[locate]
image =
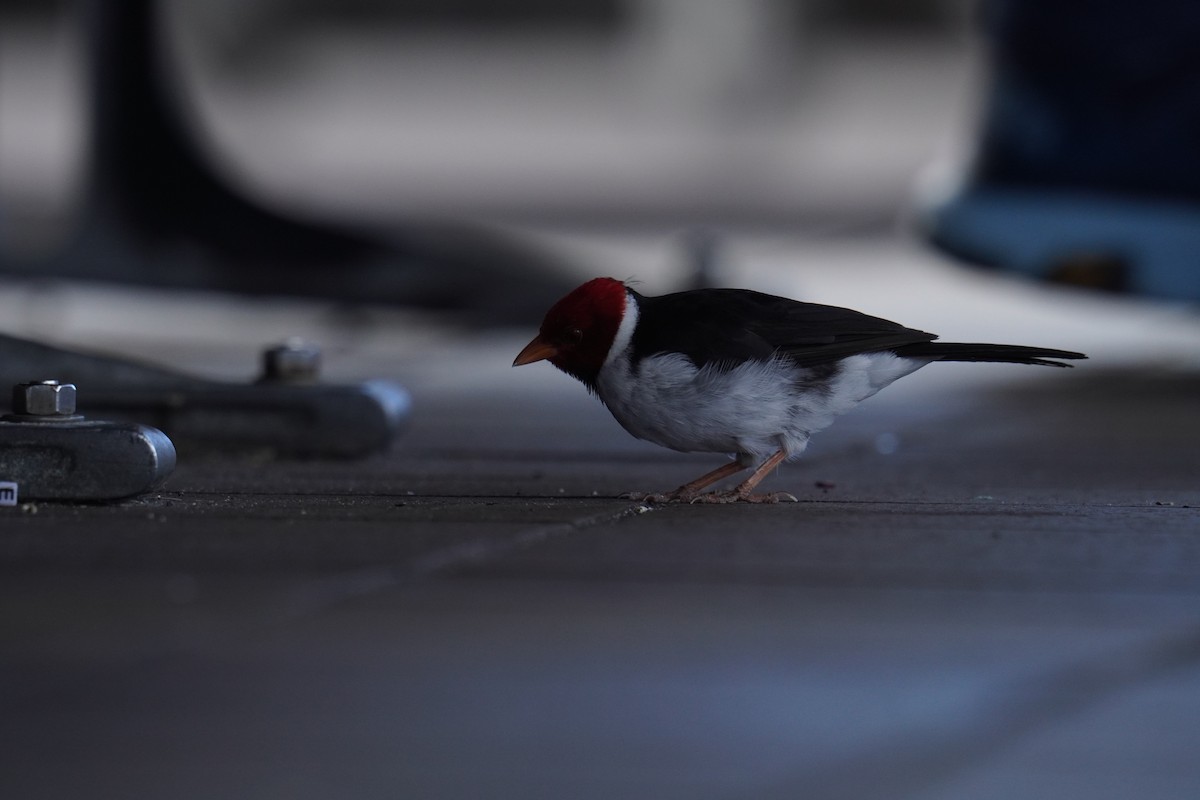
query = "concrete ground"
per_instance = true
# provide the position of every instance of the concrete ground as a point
(987, 590)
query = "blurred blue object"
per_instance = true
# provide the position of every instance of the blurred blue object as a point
(1086, 168)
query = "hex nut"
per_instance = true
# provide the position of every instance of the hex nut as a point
(44, 399)
(293, 361)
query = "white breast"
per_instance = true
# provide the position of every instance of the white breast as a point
(754, 409)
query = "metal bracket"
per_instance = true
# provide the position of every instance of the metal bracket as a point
(48, 452)
(83, 460)
(286, 413)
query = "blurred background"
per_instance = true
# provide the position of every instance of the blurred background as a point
(630, 112)
(776, 144)
(988, 589)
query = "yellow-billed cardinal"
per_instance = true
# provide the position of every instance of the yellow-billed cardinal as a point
(736, 371)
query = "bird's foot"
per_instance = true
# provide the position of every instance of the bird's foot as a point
(740, 497)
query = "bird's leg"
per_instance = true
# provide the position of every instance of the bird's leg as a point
(691, 490)
(744, 490)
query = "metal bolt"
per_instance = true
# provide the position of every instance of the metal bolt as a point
(44, 399)
(293, 361)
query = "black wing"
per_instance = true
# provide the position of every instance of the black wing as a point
(728, 326)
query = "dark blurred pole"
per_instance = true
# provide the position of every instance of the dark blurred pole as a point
(138, 149)
(153, 186)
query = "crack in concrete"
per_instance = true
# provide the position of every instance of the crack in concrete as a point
(324, 593)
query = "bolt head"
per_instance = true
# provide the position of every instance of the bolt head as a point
(293, 361)
(44, 399)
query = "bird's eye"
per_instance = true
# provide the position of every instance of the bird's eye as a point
(575, 335)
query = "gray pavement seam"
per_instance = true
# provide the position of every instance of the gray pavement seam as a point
(324, 593)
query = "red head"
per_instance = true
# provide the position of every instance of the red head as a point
(577, 332)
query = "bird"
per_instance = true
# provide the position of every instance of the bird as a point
(736, 371)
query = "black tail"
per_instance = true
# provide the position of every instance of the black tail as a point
(1007, 353)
